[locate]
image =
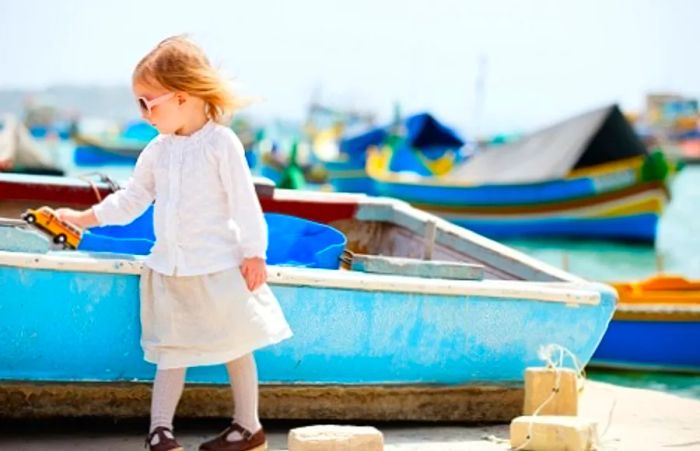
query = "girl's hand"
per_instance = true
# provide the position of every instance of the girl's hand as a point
(6, 164)
(254, 272)
(82, 219)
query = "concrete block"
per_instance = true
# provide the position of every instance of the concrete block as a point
(553, 433)
(539, 384)
(335, 438)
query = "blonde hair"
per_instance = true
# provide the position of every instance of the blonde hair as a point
(178, 64)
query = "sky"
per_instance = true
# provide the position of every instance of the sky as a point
(536, 61)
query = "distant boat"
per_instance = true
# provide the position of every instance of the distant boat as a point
(101, 149)
(691, 150)
(588, 177)
(427, 147)
(656, 326)
(19, 151)
(60, 130)
(435, 321)
(125, 148)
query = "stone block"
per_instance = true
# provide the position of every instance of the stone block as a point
(539, 384)
(553, 433)
(335, 438)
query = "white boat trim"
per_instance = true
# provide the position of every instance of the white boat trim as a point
(656, 309)
(573, 294)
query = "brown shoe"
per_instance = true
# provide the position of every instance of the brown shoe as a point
(248, 442)
(166, 440)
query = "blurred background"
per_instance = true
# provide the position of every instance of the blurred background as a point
(534, 97)
(485, 67)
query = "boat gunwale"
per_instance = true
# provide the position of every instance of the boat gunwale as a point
(393, 211)
(657, 312)
(572, 293)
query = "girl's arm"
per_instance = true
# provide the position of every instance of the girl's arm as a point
(123, 206)
(246, 212)
(243, 201)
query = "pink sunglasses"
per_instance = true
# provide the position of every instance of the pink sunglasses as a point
(147, 105)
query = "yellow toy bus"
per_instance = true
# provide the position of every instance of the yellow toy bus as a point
(61, 232)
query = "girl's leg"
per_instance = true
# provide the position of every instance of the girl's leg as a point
(167, 389)
(243, 376)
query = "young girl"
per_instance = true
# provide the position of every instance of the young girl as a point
(204, 300)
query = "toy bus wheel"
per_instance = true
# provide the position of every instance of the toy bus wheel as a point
(30, 218)
(60, 239)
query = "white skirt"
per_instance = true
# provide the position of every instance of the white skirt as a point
(207, 319)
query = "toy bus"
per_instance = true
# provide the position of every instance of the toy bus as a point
(61, 232)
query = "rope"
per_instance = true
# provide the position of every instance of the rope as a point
(104, 178)
(546, 354)
(598, 442)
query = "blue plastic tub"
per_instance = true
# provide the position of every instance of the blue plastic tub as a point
(292, 241)
(300, 242)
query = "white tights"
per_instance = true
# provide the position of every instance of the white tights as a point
(243, 377)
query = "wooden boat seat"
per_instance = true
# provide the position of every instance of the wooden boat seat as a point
(432, 269)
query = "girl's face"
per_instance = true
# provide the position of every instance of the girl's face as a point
(165, 114)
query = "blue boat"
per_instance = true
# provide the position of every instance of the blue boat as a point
(424, 140)
(98, 150)
(650, 344)
(43, 131)
(437, 322)
(655, 328)
(586, 177)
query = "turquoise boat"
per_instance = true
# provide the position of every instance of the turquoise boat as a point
(424, 320)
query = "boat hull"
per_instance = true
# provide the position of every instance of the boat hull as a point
(641, 227)
(349, 177)
(650, 345)
(627, 214)
(608, 201)
(342, 335)
(96, 156)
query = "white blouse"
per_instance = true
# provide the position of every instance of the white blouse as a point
(207, 217)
